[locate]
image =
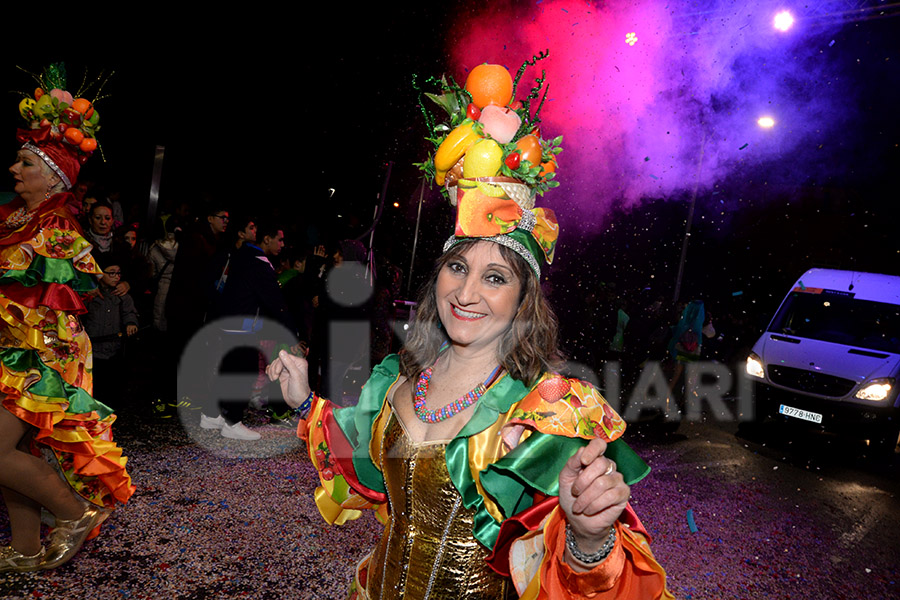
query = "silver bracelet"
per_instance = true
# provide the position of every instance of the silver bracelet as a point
(597, 556)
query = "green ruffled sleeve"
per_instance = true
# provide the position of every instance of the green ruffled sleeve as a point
(356, 421)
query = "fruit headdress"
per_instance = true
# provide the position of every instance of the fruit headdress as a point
(62, 127)
(486, 112)
(491, 161)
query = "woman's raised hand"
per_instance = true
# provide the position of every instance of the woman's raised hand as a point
(292, 374)
(592, 494)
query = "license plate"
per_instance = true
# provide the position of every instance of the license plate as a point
(790, 411)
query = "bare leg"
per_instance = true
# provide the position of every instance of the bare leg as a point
(24, 515)
(30, 476)
(24, 521)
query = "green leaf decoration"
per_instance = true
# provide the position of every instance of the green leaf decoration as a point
(55, 77)
(534, 60)
(446, 101)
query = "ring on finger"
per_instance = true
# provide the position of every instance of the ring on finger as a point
(610, 468)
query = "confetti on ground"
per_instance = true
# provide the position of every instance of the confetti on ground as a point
(744, 146)
(738, 293)
(215, 518)
(211, 518)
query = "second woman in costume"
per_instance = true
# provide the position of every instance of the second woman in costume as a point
(56, 446)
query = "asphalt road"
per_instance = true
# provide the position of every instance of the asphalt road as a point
(776, 512)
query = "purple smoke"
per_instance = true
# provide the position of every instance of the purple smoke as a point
(676, 109)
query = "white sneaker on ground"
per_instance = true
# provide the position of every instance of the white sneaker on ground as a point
(207, 423)
(239, 432)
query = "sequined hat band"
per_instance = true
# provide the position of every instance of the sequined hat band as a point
(46, 158)
(508, 241)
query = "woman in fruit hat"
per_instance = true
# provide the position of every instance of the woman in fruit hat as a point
(495, 476)
(56, 447)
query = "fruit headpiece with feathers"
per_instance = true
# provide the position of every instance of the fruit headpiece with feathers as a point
(62, 127)
(491, 161)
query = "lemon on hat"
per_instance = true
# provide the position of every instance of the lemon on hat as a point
(483, 159)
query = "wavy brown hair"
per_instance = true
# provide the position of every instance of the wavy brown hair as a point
(528, 348)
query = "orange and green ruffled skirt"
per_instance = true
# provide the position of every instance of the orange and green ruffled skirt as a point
(45, 367)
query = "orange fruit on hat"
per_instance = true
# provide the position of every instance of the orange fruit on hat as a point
(548, 167)
(74, 135)
(530, 147)
(489, 84)
(88, 144)
(82, 105)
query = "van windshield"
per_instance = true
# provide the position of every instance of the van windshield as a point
(838, 317)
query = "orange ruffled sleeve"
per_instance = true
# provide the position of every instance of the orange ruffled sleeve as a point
(630, 572)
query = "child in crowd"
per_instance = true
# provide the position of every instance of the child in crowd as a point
(109, 318)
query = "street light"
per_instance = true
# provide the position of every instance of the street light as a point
(783, 21)
(766, 122)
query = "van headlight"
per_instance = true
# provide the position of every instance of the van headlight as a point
(755, 366)
(877, 389)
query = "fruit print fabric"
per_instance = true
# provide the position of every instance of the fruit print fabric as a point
(45, 354)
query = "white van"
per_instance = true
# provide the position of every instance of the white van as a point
(830, 358)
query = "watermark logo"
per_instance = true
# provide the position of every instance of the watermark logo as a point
(707, 389)
(710, 389)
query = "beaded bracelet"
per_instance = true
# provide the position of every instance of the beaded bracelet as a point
(303, 409)
(597, 556)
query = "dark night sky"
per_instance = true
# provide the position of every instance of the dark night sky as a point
(257, 108)
(249, 104)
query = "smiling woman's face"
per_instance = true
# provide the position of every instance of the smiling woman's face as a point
(32, 176)
(477, 296)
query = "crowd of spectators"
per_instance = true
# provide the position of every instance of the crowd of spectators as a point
(254, 287)
(229, 290)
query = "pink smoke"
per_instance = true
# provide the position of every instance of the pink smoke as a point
(674, 111)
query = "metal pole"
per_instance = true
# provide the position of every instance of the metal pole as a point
(412, 261)
(153, 205)
(370, 259)
(379, 208)
(690, 220)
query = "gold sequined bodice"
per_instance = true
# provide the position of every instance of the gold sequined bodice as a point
(427, 550)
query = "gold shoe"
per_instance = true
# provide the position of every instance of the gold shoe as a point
(68, 536)
(11, 560)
